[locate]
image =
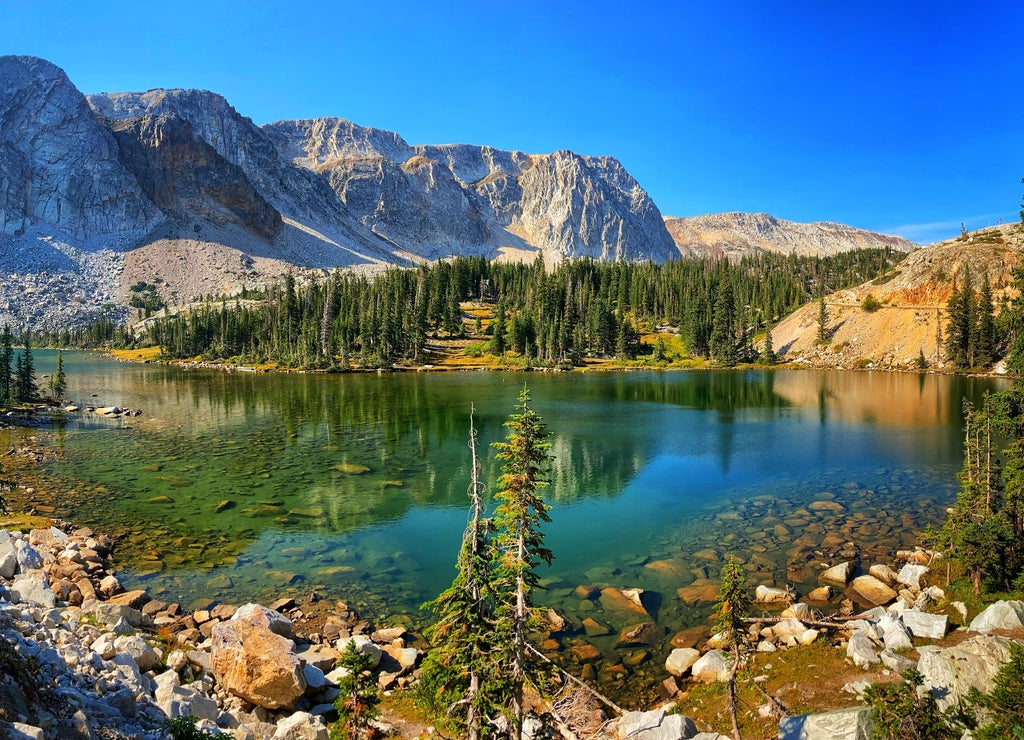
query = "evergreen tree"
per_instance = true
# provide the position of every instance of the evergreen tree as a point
(978, 533)
(58, 381)
(6, 357)
(986, 333)
(731, 607)
(962, 320)
(519, 544)
(723, 332)
(767, 352)
(821, 335)
(357, 705)
(458, 676)
(26, 371)
(498, 331)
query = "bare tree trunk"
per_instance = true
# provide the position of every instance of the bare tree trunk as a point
(472, 719)
(732, 691)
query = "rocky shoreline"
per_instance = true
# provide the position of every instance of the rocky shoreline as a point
(88, 659)
(81, 657)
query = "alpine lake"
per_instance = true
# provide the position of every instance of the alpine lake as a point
(237, 486)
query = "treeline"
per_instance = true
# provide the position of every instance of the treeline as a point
(582, 308)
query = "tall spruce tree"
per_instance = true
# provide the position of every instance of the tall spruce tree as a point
(767, 356)
(58, 381)
(519, 545)
(961, 311)
(986, 332)
(821, 335)
(731, 607)
(26, 371)
(458, 676)
(6, 357)
(723, 329)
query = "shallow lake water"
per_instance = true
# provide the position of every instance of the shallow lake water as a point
(237, 486)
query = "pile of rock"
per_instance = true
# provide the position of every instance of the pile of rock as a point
(874, 637)
(949, 673)
(119, 664)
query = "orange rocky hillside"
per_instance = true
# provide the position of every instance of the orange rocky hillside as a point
(911, 318)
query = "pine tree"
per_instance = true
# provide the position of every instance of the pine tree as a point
(458, 676)
(58, 381)
(731, 607)
(26, 371)
(723, 331)
(6, 357)
(519, 544)
(357, 705)
(986, 332)
(822, 333)
(767, 352)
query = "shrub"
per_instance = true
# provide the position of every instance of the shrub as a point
(870, 304)
(900, 711)
(1005, 703)
(184, 728)
(357, 704)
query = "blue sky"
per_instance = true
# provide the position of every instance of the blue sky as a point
(899, 116)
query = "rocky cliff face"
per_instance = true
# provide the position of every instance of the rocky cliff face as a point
(457, 199)
(59, 170)
(185, 176)
(734, 235)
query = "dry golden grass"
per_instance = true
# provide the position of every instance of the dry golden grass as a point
(142, 354)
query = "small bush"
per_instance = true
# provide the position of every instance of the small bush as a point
(870, 304)
(1005, 703)
(900, 711)
(184, 728)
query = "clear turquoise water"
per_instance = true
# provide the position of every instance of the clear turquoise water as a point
(239, 486)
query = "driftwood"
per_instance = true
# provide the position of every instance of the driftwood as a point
(582, 684)
(829, 624)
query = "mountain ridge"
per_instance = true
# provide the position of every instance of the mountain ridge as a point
(737, 234)
(101, 191)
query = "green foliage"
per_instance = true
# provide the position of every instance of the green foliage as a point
(723, 345)
(583, 308)
(459, 683)
(24, 384)
(1004, 705)
(821, 335)
(921, 362)
(145, 297)
(6, 357)
(184, 728)
(58, 381)
(357, 705)
(482, 660)
(733, 603)
(903, 712)
(519, 549)
(870, 304)
(984, 533)
(972, 333)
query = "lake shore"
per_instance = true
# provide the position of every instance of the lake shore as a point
(125, 663)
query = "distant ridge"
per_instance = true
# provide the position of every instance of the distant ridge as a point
(735, 235)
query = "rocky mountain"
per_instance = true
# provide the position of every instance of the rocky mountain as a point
(735, 235)
(911, 319)
(177, 188)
